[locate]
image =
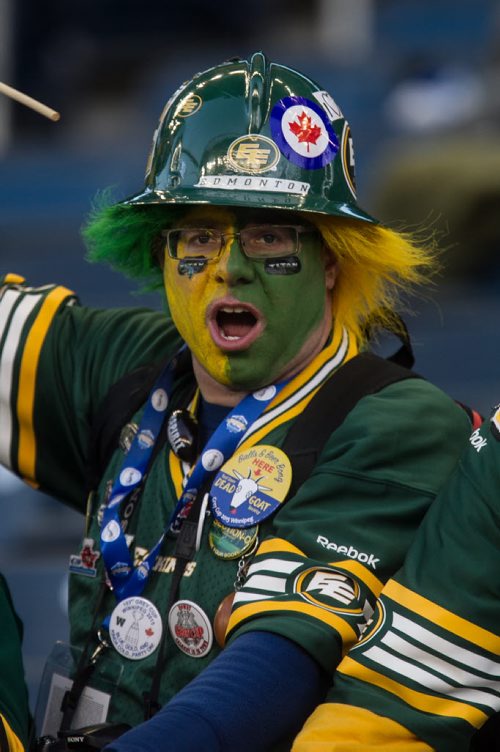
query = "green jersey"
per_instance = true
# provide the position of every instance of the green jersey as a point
(431, 660)
(323, 556)
(14, 712)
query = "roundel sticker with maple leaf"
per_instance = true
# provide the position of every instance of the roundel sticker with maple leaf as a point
(303, 132)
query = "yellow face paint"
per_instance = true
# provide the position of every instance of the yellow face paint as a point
(246, 326)
(189, 297)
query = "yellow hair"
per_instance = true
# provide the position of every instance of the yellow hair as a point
(376, 265)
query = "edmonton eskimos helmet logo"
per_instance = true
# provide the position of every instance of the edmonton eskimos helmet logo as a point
(189, 105)
(253, 154)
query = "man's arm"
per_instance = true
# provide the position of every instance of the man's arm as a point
(253, 695)
(427, 673)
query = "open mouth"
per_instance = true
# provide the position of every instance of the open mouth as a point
(234, 326)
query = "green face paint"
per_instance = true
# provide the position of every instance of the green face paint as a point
(249, 326)
(293, 307)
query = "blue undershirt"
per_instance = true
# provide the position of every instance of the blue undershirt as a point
(209, 417)
(256, 693)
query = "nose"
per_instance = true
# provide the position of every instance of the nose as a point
(233, 267)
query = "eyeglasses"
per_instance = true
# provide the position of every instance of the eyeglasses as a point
(260, 242)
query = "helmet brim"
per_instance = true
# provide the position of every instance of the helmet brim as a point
(243, 199)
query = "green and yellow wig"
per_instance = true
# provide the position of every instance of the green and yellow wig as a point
(377, 265)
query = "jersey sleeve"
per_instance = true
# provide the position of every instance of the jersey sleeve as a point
(57, 362)
(317, 575)
(430, 661)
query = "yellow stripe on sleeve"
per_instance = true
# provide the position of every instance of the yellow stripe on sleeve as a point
(361, 573)
(13, 740)
(441, 616)
(27, 380)
(278, 545)
(426, 702)
(344, 728)
(13, 279)
(259, 608)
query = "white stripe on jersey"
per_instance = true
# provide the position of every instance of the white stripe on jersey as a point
(13, 336)
(275, 565)
(243, 597)
(439, 665)
(445, 647)
(429, 681)
(266, 582)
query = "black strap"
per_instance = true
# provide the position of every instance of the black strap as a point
(185, 550)
(364, 374)
(123, 399)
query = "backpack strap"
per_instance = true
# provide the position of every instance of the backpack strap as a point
(364, 374)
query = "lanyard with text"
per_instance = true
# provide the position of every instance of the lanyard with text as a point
(126, 579)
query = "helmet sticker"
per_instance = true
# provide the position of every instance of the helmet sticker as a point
(189, 105)
(248, 183)
(303, 133)
(329, 105)
(253, 154)
(347, 154)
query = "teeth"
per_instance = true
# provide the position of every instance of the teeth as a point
(226, 336)
(233, 309)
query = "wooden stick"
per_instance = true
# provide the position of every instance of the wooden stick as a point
(29, 102)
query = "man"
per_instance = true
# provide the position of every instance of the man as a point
(426, 674)
(273, 276)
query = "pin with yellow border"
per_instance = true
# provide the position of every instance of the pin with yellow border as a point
(250, 486)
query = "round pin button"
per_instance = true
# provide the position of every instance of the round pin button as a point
(230, 542)
(250, 486)
(190, 629)
(135, 628)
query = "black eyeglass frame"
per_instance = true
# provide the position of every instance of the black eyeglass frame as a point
(223, 237)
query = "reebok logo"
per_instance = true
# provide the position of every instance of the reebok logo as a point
(477, 441)
(351, 552)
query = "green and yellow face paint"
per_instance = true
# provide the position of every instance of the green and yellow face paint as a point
(249, 324)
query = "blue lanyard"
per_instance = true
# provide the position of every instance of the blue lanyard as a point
(126, 579)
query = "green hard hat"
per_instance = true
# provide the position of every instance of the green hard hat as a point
(252, 133)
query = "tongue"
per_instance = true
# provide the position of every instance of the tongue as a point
(235, 324)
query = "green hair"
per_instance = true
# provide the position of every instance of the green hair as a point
(128, 239)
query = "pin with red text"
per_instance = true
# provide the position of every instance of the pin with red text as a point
(190, 629)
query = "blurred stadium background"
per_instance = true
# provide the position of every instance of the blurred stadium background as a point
(419, 82)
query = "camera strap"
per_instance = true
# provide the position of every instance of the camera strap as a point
(185, 550)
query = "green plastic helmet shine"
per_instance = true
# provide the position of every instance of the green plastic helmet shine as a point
(253, 134)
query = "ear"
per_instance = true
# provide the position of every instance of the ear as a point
(331, 270)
